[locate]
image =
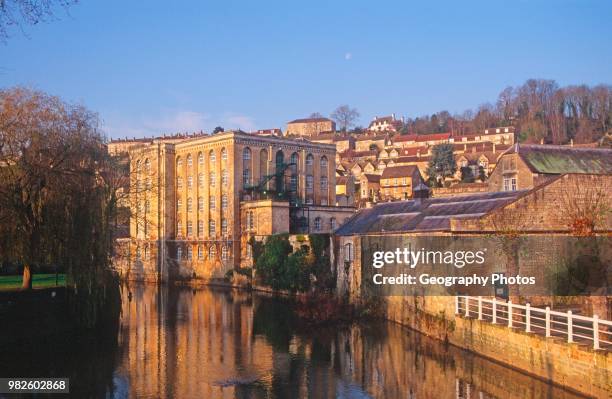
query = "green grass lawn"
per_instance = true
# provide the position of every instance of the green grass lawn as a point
(39, 281)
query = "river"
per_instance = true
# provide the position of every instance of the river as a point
(220, 343)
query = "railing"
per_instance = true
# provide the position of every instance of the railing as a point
(550, 323)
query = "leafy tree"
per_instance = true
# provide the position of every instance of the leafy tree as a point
(345, 117)
(218, 129)
(442, 164)
(466, 174)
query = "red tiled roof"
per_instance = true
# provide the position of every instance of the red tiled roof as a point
(399, 171)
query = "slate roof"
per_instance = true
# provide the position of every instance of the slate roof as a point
(399, 171)
(556, 159)
(310, 120)
(429, 214)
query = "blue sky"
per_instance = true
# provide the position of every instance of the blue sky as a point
(165, 67)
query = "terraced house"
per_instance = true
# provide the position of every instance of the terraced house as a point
(196, 203)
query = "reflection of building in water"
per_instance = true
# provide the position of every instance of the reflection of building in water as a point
(220, 344)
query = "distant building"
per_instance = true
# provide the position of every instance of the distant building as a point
(369, 187)
(310, 127)
(525, 166)
(386, 124)
(397, 182)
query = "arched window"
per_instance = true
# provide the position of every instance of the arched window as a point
(295, 159)
(212, 157)
(224, 227)
(201, 159)
(200, 204)
(179, 162)
(212, 252)
(179, 253)
(147, 164)
(348, 252)
(224, 177)
(317, 224)
(263, 163)
(211, 228)
(189, 181)
(323, 164)
(280, 158)
(189, 228)
(246, 155)
(189, 205)
(224, 201)
(200, 228)
(223, 154)
(211, 202)
(224, 253)
(294, 182)
(332, 224)
(213, 179)
(200, 252)
(189, 160)
(309, 160)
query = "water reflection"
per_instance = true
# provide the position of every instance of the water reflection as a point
(181, 343)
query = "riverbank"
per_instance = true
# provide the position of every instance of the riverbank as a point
(38, 281)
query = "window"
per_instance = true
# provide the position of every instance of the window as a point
(189, 228)
(200, 228)
(223, 154)
(309, 160)
(405, 181)
(179, 182)
(212, 252)
(200, 252)
(246, 155)
(179, 204)
(179, 253)
(200, 204)
(294, 182)
(224, 201)
(179, 228)
(189, 160)
(213, 179)
(147, 206)
(250, 220)
(212, 157)
(200, 159)
(309, 201)
(246, 177)
(348, 252)
(323, 164)
(189, 205)
(212, 202)
(323, 201)
(224, 253)
(224, 177)
(506, 184)
(317, 224)
(332, 223)
(211, 228)
(224, 227)
(201, 179)
(249, 251)
(324, 183)
(189, 252)
(179, 162)
(309, 183)
(148, 184)
(513, 183)
(147, 164)
(294, 160)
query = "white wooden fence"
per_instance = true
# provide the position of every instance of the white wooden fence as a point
(573, 328)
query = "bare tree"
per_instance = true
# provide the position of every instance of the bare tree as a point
(18, 13)
(345, 117)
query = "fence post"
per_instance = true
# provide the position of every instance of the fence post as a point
(479, 308)
(570, 327)
(467, 306)
(510, 314)
(494, 310)
(457, 304)
(527, 318)
(547, 321)
(595, 331)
